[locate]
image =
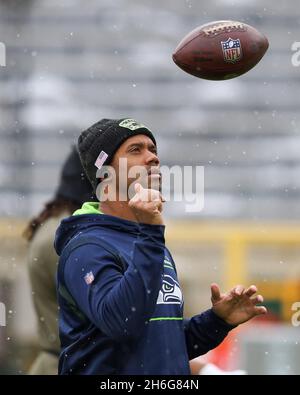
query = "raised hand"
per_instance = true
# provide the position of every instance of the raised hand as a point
(238, 305)
(147, 205)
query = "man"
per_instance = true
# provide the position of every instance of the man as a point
(121, 307)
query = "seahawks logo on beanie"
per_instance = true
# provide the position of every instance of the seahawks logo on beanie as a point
(131, 124)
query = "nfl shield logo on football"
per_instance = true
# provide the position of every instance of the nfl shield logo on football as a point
(89, 278)
(232, 50)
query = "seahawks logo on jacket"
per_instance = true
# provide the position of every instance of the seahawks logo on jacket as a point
(170, 292)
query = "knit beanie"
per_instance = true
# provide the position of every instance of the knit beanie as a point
(98, 144)
(74, 184)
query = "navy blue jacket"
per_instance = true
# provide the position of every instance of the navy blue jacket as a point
(121, 308)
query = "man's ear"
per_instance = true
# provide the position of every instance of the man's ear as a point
(104, 176)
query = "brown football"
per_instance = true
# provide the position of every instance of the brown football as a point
(220, 50)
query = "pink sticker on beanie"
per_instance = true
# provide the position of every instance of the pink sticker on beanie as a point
(101, 159)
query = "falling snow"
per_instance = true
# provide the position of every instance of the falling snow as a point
(245, 131)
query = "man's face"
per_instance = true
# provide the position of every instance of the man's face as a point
(140, 151)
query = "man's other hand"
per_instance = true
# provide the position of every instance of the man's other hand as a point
(238, 305)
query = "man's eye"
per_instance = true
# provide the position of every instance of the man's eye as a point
(167, 287)
(135, 149)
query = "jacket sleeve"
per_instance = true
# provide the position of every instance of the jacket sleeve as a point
(204, 332)
(119, 304)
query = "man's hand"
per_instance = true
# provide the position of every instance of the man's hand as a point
(238, 305)
(147, 205)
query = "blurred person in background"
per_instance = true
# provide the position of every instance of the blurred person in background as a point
(74, 189)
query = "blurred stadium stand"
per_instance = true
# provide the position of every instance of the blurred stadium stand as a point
(71, 62)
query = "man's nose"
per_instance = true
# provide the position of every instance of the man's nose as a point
(152, 159)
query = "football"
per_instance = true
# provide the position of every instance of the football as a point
(220, 50)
